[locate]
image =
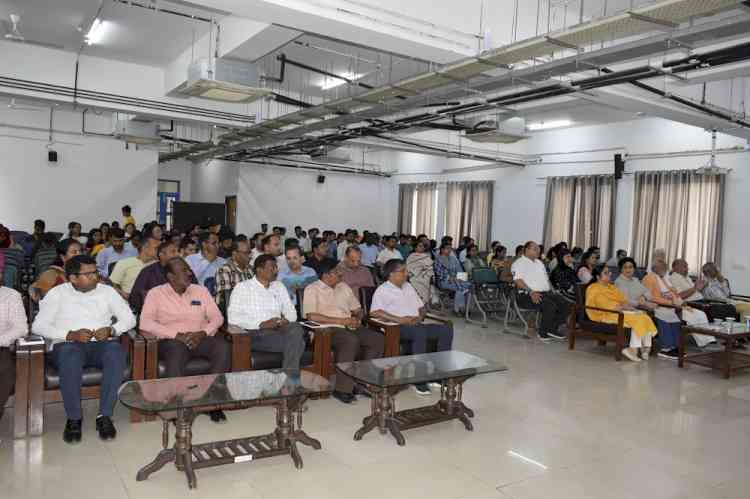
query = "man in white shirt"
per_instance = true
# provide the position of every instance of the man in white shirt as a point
(13, 325)
(535, 291)
(389, 252)
(114, 253)
(207, 262)
(692, 292)
(681, 281)
(351, 239)
(76, 317)
(262, 305)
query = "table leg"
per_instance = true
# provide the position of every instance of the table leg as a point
(451, 403)
(727, 367)
(681, 349)
(383, 407)
(298, 434)
(184, 445)
(164, 457)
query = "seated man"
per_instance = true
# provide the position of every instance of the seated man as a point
(236, 270)
(271, 245)
(353, 272)
(126, 271)
(681, 281)
(262, 305)
(535, 291)
(331, 301)
(296, 276)
(206, 263)
(396, 301)
(117, 251)
(185, 317)
(319, 255)
(13, 325)
(717, 288)
(351, 240)
(389, 252)
(152, 275)
(370, 250)
(77, 318)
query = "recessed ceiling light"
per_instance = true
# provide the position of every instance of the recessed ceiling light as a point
(333, 82)
(546, 125)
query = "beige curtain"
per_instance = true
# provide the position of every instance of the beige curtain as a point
(580, 210)
(681, 212)
(406, 193)
(469, 211)
(426, 214)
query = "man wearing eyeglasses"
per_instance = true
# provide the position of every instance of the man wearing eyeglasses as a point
(77, 319)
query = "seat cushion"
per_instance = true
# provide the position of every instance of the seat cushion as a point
(194, 367)
(91, 376)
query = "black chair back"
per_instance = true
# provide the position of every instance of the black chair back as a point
(300, 294)
(365, 298)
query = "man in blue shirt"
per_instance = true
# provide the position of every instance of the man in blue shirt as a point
(114, 253)
(296, 276)
(370, 250)
(205, 264)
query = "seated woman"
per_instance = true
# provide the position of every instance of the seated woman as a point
(55, 274)
(447, 268)
(588, 262)
(473, 261)
(563, 277)
(629, 285)
(603, 294)
(419, 267)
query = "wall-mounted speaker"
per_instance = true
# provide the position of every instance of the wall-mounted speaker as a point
(321, 179)
(619, 166)
(52, 156)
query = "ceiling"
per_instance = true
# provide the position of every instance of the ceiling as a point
(133, 34)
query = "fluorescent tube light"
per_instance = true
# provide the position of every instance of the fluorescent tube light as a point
(96, 32)
(549, 124)
(333, 82)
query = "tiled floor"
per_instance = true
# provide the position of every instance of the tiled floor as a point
(558, 424)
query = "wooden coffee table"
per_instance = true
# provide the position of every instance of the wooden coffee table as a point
(384, 378)
(728, 360)
(178, 401)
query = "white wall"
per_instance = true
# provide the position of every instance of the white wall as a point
(181, 171)
(213, 181)
(95, 176)
(287, 197)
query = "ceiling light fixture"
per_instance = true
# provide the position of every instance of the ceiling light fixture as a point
(546, 125)
(96, 32)
(333, 82)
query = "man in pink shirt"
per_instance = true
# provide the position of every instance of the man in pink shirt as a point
(185, 317)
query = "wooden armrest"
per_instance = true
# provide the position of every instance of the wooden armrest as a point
(241, 347)
(437, 318)
(604, 310)
(739, 297)
(392, 335)
(149, 337)
(30, 343)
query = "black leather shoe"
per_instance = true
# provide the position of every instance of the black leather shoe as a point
(106, 428)
(346, 398)
(72, 433)
(218, 417)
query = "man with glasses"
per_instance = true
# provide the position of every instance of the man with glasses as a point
(117, 251)
(206, 263)
(236, 270)
(77, 319)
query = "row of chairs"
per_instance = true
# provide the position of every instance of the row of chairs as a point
(38, 382)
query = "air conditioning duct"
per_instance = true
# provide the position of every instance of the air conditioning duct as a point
(496, 130)
(224, 80)
(135, 131)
